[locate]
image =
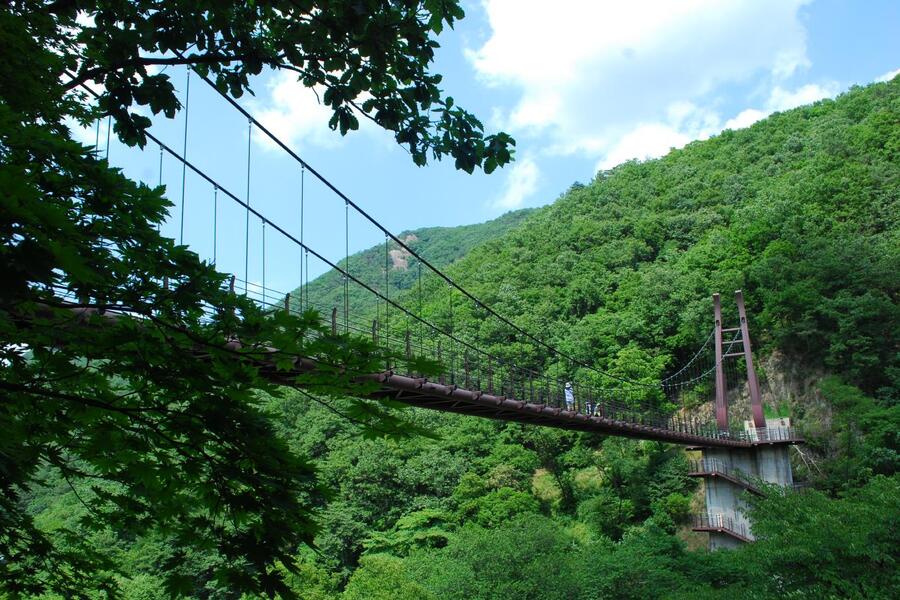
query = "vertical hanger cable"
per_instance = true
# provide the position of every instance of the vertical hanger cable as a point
(108, 132)
(159, 184)
(187, 107)
(303, 255)
(263, 263)
(387, 292)
(247, 219)
(215, 221)
(347, 267)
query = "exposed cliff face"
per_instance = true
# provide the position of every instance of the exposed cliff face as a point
(441, 246)
(793, 388)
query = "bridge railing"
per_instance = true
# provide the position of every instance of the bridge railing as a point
(710, 465)
(463, 364)
(577, 385)
(771, 434)
(409, 339)
(721, 522)
(717, 466)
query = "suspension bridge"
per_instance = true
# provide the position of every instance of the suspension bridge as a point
(558, 391)
(471, 380)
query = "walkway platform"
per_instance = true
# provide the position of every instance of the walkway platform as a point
(451, 398)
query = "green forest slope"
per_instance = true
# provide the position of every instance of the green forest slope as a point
(440, 246)
(801, 212)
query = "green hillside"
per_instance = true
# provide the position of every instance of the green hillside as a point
(800, 211)
(440, 246)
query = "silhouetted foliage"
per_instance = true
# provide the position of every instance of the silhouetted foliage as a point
(144, 394)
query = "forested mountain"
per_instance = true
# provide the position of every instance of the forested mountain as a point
(800, 211)
(440, 246)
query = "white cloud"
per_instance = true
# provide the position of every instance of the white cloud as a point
(684, 122)
(645, 141)
(745, 118)
(521, 182)
(294, 114)
(619, 81)
(91, 135)
(687, 122)
(888, 76)
(782, 99)
(84, 19)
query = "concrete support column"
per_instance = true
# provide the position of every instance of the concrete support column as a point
(774, 465)
(728, 474)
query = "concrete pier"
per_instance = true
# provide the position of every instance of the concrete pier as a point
(730, 474)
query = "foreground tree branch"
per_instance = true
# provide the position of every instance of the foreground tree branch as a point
(165, 417)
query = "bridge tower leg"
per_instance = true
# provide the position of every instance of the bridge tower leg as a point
(752, 381)
(721, 404)
(729, 474)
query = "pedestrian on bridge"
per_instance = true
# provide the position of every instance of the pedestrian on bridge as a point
(570, 396)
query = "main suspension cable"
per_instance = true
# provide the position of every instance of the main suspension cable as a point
(388, 234)
(403, 245)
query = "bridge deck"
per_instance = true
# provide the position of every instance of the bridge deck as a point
(432, 395)
(450, 398)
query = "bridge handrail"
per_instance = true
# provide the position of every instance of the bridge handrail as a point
(552, 387)
(522, 383)
(722, 522)
(718, 466)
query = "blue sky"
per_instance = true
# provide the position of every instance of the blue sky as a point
(582, 86)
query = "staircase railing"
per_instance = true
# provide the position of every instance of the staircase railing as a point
(723, 523)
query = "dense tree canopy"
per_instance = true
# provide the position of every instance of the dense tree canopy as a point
(370, 58)
(620, 271)
(141, 393)
(150, 452)
(801, 211)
